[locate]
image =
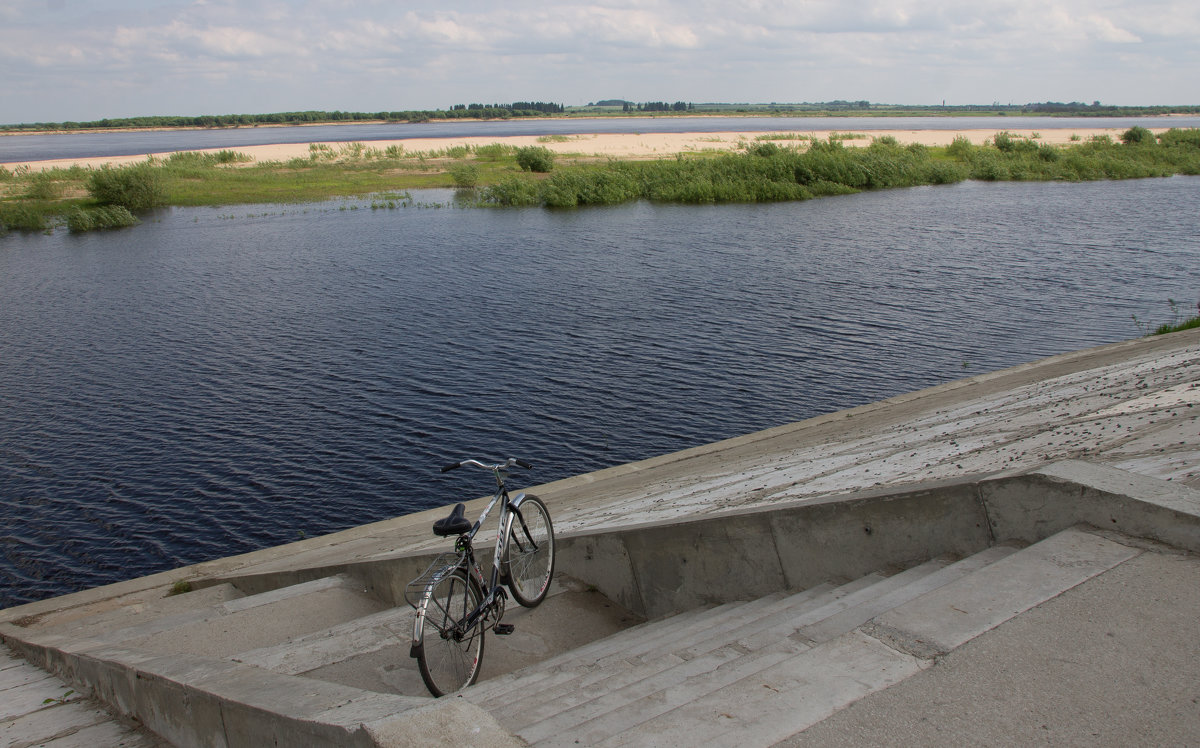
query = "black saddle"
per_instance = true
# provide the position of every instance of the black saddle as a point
(456, 524)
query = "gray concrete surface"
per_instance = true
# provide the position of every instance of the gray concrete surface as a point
(1112, 662)
(38, 709)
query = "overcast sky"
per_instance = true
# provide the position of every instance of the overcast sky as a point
(89, 59)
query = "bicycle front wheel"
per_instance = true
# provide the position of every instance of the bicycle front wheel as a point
(529, 555)
(449, 657)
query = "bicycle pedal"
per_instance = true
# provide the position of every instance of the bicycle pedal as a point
(504, 629)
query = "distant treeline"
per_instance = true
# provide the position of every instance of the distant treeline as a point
(458, 111)
(609, 106)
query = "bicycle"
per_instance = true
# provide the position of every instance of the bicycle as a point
(456, 604)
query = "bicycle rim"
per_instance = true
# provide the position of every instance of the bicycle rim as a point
(529, 556)
(449, 660)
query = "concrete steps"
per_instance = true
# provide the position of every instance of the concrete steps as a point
(755, 673)
(38, 709)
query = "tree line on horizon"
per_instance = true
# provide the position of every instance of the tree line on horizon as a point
(543, 109)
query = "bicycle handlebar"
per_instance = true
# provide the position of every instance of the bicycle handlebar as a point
(498, 466)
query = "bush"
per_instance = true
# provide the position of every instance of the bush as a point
(105, 217)
(1137, 136)
(566, 189)
(960, 148)
(22, 217)
(43, 187)
(494, 151)
(765, 150)
(136, 188)
(1177, 137)
(464, 175)
(512, 191)
(535, 158)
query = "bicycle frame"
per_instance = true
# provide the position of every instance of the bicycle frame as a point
(510, 509)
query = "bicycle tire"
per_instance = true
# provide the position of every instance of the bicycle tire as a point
(449, 661)
(529, 553)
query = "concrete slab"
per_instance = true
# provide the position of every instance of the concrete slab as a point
(1114, 661)
(262, 625)
(37, 709)
(768, 705)
(952, 615)
(563, 623)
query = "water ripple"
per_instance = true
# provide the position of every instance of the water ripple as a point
(199, 387)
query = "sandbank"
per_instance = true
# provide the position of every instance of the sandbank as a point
(611, 145)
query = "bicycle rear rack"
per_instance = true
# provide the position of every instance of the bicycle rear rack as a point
(441, 566)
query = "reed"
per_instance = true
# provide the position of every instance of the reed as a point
(763, 170)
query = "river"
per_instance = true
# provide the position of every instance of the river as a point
(218, 380)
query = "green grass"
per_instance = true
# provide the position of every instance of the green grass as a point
(763, 171)
(1190, 324)
(1177, 323)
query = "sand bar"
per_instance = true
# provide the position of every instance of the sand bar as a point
(614, 145)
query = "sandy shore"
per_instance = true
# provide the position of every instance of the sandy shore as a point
(623, 145)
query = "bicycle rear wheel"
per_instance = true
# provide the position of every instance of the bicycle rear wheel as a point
(447, 656)
(529, 555)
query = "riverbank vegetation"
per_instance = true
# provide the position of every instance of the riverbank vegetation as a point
(765, 171)
(501, 175)
(1178, 321)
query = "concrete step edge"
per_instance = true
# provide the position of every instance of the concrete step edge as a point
(530, 675)
(334, 644)
(605, 653)
(623, 672)
(724, 653)
(775, 702)
(682, 683)
(946, 618)
(853, 617)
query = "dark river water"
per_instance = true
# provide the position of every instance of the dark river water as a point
(219, 380)
(85, 144)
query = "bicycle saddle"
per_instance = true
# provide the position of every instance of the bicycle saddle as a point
(456, 524)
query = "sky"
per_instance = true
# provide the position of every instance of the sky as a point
(63, 60)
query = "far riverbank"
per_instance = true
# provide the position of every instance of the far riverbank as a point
(82, 148)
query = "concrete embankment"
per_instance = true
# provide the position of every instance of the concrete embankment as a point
(878, 546)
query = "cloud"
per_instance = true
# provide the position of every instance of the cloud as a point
(313, 53)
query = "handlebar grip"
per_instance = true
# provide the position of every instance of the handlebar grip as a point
(524, 464)
(451, 466)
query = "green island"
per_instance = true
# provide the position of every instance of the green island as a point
(499, 175)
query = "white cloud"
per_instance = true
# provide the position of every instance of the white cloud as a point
(313, 54)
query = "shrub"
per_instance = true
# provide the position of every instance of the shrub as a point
(22, 217)
(960, 148)
(1137, 136)
(566, 189)
(766, 149)
(494, 151)
(535, 158)
(137, 188)
(104, 217)
(230, 157)
(512, 191)
(464, 174)
(1177, 137)
(1006, 142)
(43, 187)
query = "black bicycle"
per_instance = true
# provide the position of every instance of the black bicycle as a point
(456, 604)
